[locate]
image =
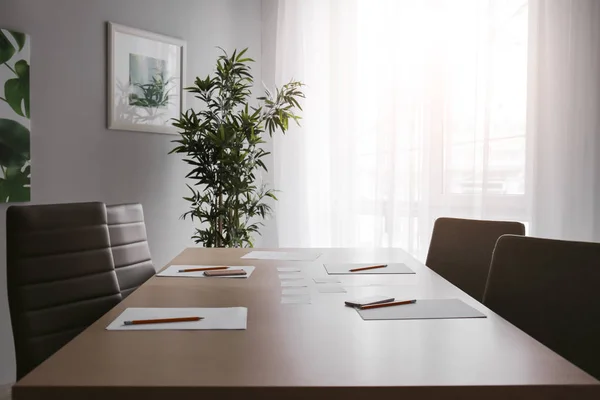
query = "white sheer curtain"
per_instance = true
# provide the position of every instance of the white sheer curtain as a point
(564, 118)
(416, 109)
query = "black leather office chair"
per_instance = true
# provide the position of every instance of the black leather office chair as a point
(61, 276)
(129, 244)
(461, 250)
(549, 289)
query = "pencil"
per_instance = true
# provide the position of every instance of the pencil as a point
(161, 320)
(366, 268)
(393, 303)
(202, 269)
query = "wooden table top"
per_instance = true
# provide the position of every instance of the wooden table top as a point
(321, 350)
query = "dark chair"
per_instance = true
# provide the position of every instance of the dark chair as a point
(129, 245)
(461, 250)
(60, 274)
(549, 289)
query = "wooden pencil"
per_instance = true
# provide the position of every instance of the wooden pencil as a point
(368, 268)
(202, 269)
(161, 320)
(392, 303)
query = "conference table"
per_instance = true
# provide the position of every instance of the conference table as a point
(321, 350)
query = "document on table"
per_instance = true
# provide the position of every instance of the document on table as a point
(289, 269)
(173, 271)
(294, 283)
(296, 299)
(423, 309)
(295, 290)
(282, 255)
(327, 280)
(291, 277)
(344, 269)
(232, 318)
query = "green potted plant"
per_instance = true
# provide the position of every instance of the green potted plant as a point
(222, 145)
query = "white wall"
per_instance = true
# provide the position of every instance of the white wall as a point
(269, 237)
(74, 156)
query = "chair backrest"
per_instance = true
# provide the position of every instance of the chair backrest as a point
(129, 244)
(461, 250)
(549, 289)
(60, 274)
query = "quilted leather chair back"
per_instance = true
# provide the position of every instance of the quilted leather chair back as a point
(60, 274)
(129, 244)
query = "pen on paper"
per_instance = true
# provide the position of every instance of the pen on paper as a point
(161, 320)
(202, 269)
(393, 303)
(367, 268)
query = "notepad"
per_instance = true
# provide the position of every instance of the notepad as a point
(344, 269)
(423, 309)
(231, 318)
(282, 255)
(173, 271)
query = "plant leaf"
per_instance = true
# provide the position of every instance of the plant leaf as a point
(21, 38)
(221, 146)
(16, 185)
(7, 50)
(17, 90)
(14, 143)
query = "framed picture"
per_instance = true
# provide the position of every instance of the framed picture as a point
(145, 80)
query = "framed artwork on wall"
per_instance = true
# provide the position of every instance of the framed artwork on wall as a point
(15, 154)
(145, 80)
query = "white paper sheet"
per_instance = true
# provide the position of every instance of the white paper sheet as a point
(299, 283)
(327, 280)
(294, 290)
(344, 269)
(296, 299)
(282, 255)
(232, 318)
(424, 309)
(173, 271)
(291, 277)
(289, 269)
(333, 288)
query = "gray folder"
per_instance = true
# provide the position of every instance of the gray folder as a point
(423, 309)
(344, 269)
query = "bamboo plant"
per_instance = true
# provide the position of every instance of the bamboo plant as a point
(222, 144)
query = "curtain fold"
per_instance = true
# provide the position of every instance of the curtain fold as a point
(564, 119)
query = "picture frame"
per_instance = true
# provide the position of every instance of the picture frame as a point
(146, 71)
